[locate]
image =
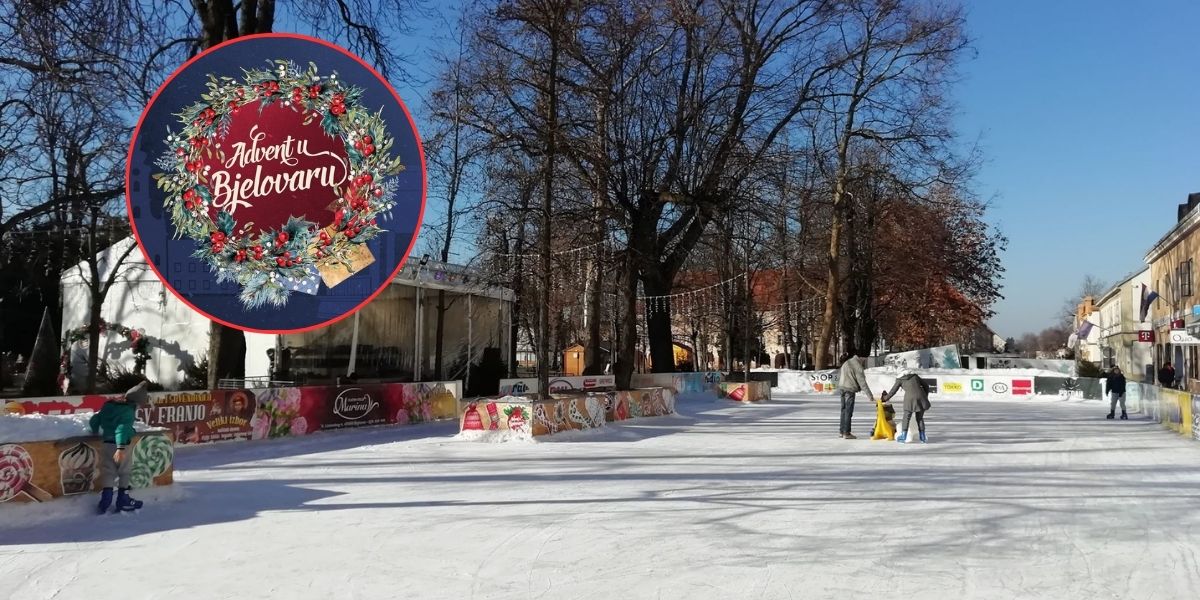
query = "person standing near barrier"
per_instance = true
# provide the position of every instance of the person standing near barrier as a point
(1166, 375)
(1114, 382)
(916, 402)
(852, 379)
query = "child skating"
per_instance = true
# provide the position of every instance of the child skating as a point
(916, 402)
(114, 422)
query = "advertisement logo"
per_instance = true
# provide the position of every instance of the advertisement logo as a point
(933, 385)
(354, 404)
(589, 384)
(976, 385)
(519, 388)
(275, 171)
(560, 385)
(1022, 387)
(952, 387)
(1000, 388)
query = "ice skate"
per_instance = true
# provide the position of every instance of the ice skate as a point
(1110, 416)
(902, 437)
(1124, 417)
(106, 498)
(850, 436)
(923, 440)
(125, 502)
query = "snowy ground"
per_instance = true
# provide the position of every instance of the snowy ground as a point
(1032, 499)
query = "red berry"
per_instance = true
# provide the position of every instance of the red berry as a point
(337, 109)
(367, 139)
(179, 152)
(282, 237)
(378, 192)
(369, 150)
(287, 254)
(366, 177)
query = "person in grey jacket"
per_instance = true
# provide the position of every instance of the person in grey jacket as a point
(851, 380)
(916, 401)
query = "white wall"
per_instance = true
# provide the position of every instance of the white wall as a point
(138, 300)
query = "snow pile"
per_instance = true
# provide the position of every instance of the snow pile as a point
(494, 437)
(37, 428)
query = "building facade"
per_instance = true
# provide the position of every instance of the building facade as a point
(1172, 270)
(1120, 337)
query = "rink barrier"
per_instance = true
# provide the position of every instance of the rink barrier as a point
(44, 470)
(1176, 410)
(197, 417)
(747, 392)
(584, 383)
(701, 382)
(514, 417)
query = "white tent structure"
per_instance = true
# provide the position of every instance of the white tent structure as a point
(394, 337)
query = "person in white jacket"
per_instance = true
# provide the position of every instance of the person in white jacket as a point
(851, 380)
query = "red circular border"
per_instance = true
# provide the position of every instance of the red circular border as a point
(420, 151)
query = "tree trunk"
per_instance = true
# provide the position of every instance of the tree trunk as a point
(627, 348)
(93, 362)
(658, 319)
(833, 280)
(551, 99)
(595, 362)
(218, 24)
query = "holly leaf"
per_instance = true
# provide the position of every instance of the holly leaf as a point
(225, 223)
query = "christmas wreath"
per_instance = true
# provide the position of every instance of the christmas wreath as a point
(139, 344)
(263, 262)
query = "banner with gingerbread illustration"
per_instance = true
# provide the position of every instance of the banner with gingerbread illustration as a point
(276, 183)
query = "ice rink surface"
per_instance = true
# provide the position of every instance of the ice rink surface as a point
(1028, 499)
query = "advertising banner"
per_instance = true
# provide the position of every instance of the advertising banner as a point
(41, 471)
(809, 382)
(1196, 418)
(56, 405)
(203, 416)
(587, 383)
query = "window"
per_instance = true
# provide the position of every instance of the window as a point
(1185, 278)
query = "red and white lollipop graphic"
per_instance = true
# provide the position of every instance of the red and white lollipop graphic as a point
(16, 474)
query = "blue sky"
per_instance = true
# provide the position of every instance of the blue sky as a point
(1087, 113)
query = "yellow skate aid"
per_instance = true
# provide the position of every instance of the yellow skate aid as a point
(885, 429)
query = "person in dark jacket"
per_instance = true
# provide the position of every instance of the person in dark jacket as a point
(115, 423)
(1166, 375)
(1115, 384)
(852, 379)
(916, 401)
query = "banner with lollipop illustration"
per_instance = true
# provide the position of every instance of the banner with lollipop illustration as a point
(43, 470)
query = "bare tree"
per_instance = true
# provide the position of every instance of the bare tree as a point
(888, 94)
(1091, 287)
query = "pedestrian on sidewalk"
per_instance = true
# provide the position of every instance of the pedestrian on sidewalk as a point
(1114, 382)
(916, 402)
(852, 379)
(1166, 375)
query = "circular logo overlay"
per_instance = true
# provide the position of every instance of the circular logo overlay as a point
(276, 183)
